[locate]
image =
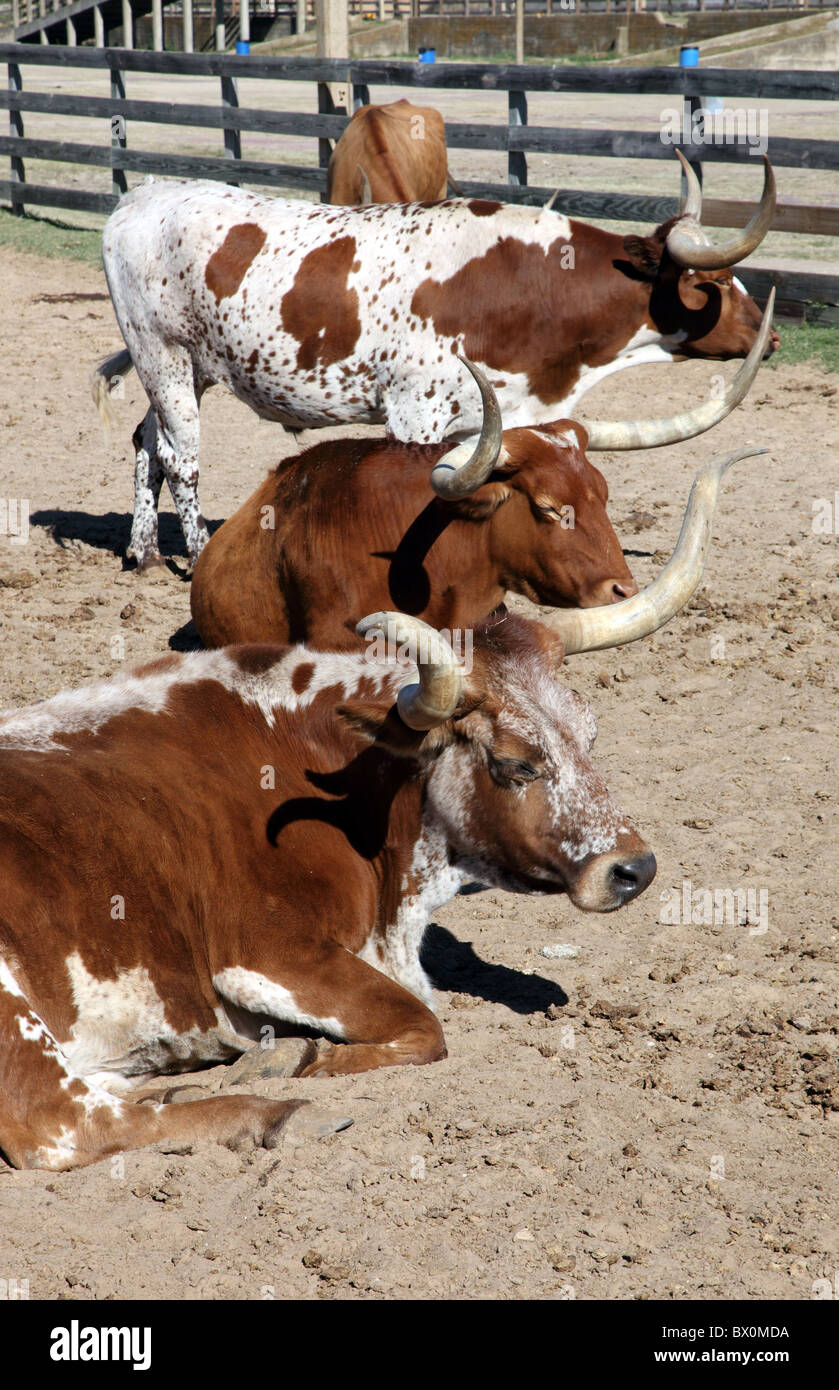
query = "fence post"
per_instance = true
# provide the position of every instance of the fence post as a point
(516, 115)
(221, 39)
(98, 28)
(15, 14)
(689, 106)
(189, 36)
(127, 24)
(232, 134)
(157, 25)
(119, 134)
(18, 173)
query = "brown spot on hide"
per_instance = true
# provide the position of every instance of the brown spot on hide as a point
(319, 310)
(227, 267)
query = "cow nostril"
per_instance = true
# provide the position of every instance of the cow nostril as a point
(632, 876)
(619, 593)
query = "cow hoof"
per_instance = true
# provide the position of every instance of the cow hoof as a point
(307, 1123)
(153, 561)
(286, 1057)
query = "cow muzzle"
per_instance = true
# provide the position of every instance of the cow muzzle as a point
(612, 880)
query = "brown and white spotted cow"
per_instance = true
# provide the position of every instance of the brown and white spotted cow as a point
(389, 154)
(316, 316)
(274, 827)
(327, 537)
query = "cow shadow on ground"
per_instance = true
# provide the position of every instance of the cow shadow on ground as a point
(110, 531)
(454, 966)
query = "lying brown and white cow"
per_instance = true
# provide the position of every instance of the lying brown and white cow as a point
(262, 831)
(327, 537)
(315, 316)
(389, 154)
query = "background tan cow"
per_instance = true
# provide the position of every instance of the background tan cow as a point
(389, 154)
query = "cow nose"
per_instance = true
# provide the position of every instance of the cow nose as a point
(624, 590)
(629, 877)
(608, 591)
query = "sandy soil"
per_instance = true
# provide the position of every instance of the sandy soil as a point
(655, 1117)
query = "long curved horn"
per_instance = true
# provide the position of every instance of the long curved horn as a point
(649, 434)
(466, 467)
(593, 629)
(435, 697)
(366, 192)
(693, 198)
(689, 246)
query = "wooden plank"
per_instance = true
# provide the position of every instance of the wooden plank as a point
(814, 219)
(822, 221)
(787, 85)
(633, 144)
(174, 113)
(801, 294)
(308, 179)
(42, 195)
(622, 144)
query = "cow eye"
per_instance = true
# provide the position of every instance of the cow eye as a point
(511, 772)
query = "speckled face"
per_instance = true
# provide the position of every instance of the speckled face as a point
(522, 804)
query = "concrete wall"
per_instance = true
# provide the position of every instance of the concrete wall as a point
(555, 36)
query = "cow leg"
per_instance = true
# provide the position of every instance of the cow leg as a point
(51, 1118)
(175, 393)
(148, 479)
(384, 1025)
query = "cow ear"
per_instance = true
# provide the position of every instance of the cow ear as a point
(376, 724)
(481, 505)
(644, 253)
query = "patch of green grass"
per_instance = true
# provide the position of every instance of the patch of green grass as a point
(808, 342)
(47, 236)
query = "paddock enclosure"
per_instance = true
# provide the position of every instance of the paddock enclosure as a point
(650, 1112)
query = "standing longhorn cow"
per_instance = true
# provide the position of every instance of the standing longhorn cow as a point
(328, 537)
(302, 897)
(316, 316)
(389, 154)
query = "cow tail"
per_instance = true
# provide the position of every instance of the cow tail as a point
(105, 378)
(454, 185)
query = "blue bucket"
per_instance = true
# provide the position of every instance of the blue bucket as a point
(428, 55)
(243, 47)
(689, 55)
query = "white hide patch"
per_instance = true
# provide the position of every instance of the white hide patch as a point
(434, 882)
(92, 706)
(40, 727)
(250, 990)
(33, 1030)
(121, 1028)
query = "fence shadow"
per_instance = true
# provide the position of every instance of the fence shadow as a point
(453, 965)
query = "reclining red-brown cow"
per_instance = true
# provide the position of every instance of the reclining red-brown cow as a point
(389, 154)
(328, 537)
(304, 895)
(316, 316)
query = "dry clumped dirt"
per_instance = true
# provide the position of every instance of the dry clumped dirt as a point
(651, 1116)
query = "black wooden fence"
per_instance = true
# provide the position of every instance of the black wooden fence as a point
(818, 292)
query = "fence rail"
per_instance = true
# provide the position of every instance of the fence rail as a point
(515, 137)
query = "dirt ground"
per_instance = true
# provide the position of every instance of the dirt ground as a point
(653, 1116)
